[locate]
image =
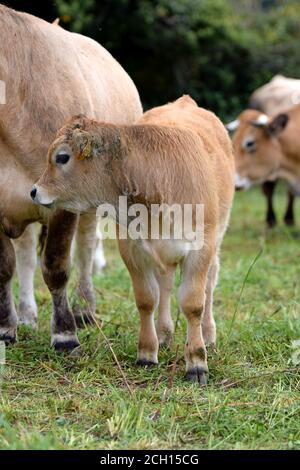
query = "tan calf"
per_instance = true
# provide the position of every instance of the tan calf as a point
(178, 153)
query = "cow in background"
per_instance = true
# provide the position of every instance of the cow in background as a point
(277, 96)
(273, 148)
(49, 75)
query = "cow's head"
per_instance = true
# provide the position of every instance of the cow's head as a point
(256, 147)
(82, 149)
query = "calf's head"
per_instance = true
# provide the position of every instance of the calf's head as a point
(82, 152)
(257, 148)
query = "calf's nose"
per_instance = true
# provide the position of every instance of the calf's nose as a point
(33, 193)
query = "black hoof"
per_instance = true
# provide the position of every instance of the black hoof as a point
(145, 363)
(66, 346)
(197, 375)
(289, 222)
(8, 339)
(271, 223)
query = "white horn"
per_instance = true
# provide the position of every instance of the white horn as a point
(261, 121)
(233, 125)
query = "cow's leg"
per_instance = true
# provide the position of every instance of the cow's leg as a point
(56, 268)
(164, 324)
(289, 214)
(26, 257)
(192, 302)
(8, 315)
(208, 323)
(99, 257)
(146, 291)
(85, 245)
(268, 189)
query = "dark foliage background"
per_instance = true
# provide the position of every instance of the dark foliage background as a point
(218, 51)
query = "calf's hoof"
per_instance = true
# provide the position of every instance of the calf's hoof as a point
(145, 363)
(209, 335)
(197, 375)
(165, 338)
(65, 343)
(8, 335)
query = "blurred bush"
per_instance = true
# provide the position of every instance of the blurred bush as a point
(218, 51)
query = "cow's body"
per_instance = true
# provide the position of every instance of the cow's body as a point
(176, 154)
(277, 96)
(50, 74)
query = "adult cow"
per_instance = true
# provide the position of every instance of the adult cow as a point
(268, 147)
(49, 74)
(276, 96)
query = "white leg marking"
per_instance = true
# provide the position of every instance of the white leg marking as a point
(26, 260)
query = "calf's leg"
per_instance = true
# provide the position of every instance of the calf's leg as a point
(56, 268)
(192, 302)
(208, 323)
(8, 315)
(268, 189)
(146, 291)
(25, 249)
(164, 324)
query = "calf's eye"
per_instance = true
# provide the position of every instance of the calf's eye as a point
(62, 158)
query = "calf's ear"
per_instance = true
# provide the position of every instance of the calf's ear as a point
(278, 124)
(96, 145)
(83, 144)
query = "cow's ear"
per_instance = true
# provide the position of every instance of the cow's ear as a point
(278, 124)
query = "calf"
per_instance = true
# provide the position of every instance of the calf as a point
(267, 148)
(176, 154)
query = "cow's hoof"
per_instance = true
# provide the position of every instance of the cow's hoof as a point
(271, 223)
(197, 375)
(30, 322)
(27, 315)
(8, 336)
(145, 363)
(289, 222)
(65, 343)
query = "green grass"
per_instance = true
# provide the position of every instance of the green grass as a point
(252, 400)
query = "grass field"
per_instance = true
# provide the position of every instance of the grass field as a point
(252, 400)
